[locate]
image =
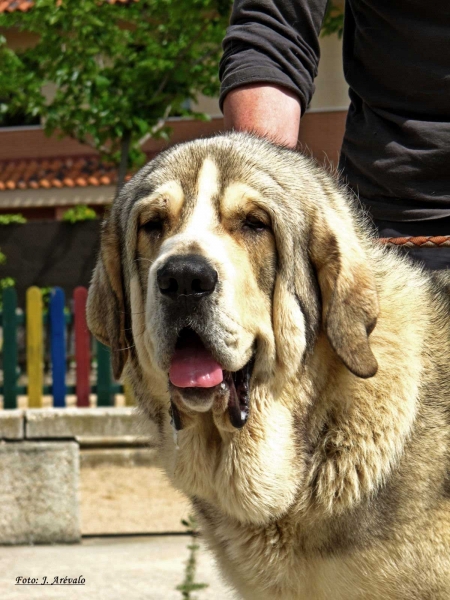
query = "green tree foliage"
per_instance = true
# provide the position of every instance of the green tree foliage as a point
(333, 21)
(80, 212)
(118, 70)
(20, 85)
(12, 219)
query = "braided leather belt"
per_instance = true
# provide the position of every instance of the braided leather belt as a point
(437, 241)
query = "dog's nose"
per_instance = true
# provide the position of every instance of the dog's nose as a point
(190, 275)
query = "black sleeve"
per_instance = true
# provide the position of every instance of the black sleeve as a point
(273, 41)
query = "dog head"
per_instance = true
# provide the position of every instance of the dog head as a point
(221, 262)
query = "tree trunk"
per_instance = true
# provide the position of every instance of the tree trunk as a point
(124, 148)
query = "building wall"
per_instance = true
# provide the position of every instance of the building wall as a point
(331, 88)
(331, 92)
(321, 132)
(19, 40)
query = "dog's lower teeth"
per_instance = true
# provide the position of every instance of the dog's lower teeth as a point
(237, 405)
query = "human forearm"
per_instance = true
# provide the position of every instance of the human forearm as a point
(267, 110)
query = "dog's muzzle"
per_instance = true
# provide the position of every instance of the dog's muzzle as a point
(186, 285)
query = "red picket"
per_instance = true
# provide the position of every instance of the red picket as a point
(82, 347)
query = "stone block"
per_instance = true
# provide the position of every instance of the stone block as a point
(133, 456)
(39, 492)
(104, 426)
(12, 424)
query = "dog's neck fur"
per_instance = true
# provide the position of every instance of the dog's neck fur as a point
(213, 464)
(246, 485)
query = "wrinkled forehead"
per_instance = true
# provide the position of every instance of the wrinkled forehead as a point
(194, 196)
(205, 193)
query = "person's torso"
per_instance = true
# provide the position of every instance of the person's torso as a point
(396, 151)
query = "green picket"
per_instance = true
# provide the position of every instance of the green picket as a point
(9, 350)
(104, 378)
(106, 387)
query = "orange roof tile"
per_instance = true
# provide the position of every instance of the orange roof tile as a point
(59, 172)
(56, 173)
(24, 5)
(12, 5)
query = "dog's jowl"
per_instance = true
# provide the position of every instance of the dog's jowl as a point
(304, 368)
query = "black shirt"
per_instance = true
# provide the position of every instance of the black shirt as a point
(396, 149)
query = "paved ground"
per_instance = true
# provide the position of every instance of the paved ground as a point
(120, 568)
(128, 499)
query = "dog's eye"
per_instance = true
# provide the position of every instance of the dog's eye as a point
(254, 223)
(155, 225)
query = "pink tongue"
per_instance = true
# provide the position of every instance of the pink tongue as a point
(194, 367)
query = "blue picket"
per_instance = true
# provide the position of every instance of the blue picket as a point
(58, 346)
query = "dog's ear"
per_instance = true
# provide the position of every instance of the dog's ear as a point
(105, 305)
(349, 296)
(296, 300)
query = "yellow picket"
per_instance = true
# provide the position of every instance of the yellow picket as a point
(35, 347)
(129, 397)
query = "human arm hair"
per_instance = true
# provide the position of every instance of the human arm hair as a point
(266, 110)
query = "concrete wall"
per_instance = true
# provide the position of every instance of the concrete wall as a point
(39, 492)
(65, 473)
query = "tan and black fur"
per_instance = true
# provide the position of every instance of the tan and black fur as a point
(338, 486)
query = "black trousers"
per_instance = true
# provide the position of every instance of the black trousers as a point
(432, 258)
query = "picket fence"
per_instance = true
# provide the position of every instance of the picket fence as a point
(53, 322)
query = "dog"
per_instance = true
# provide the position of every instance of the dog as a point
(297, 371)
